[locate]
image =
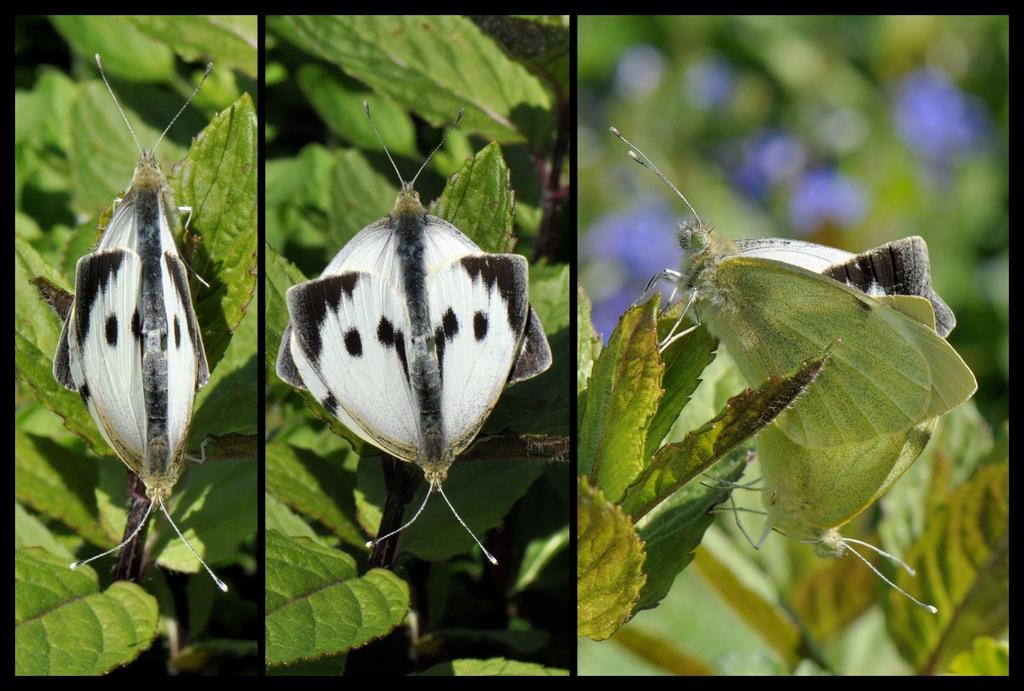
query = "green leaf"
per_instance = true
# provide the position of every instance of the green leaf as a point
(674, 529)
(280, 275)
(230, 42)
(482, 491)
(609, 572)
(314, 487)
(492, 667)
(588, 343)
(539, 43)
(224, 406)
(685, 359)
(397, 56)
(285, 521)
(625, 388)
(215, 507)
(775, 628)
(676, 464)
(317, 604)
(340, 104)
(29, 531)
(962, 563)
(127, 52)
(539, 554)
(218, 180)
(478, 200)
(64, 625)
(987, 658)
(54, 481)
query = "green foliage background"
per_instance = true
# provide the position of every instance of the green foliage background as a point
(73, 155)
(782, 610)
(441, 612)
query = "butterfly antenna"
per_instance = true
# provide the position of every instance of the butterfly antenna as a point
(408, 523)
(490, 557)
(638, 156)
(458, 119)
(220, 584)
(904, 565)
(366, 107)
(99, 63)
(124, 542)
(846, 542)
(209, 66)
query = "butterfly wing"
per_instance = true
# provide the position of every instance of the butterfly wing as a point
(348, 346)
(187, 370)
(105, 348)
(809, 490)
(479, 310)
(887, 372)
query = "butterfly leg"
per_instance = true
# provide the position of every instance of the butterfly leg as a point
(666, 275)
(671, 337)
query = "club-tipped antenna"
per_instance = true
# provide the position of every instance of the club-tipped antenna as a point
(458, 119)
(209, 66)
(366, 107)
(846, 543)
(220, 584)
(490, 557)
(639, 156)
(124, 542)
(99, 63)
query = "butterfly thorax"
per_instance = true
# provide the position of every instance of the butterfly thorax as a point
(703, 249)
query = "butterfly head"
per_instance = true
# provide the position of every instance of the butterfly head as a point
(147, 175)
(408, 202)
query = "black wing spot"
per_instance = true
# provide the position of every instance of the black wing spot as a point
(177, 333)
(479, 326)
(136, 325)
(84, 393)
(331, 404)
(111, 330)
(400, 349)
(439, 345)
(386, 333)
(353, 343)
(450, 324)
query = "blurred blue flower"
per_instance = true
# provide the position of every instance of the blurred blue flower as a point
(938, 121)
(709, 82)
(769, 157)
(639, 72)
(621, 252)
(826, 196)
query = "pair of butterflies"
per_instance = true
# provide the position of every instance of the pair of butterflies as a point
(409, 336)
(889, 377)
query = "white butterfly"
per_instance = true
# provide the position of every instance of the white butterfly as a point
(410, 335)
(131, 345)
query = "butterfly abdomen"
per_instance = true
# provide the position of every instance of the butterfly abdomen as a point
(157, 459)
(423, 361)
